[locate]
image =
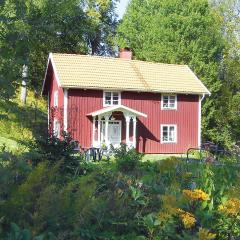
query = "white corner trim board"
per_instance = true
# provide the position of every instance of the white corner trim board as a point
(200, 119)
(65, 109)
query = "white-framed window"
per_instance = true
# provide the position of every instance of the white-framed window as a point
(55, 99)
(168, 133)
(169, 101)
(111, 98)
(56, 128)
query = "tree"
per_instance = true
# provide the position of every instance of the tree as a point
(183, 32)
(32, 29)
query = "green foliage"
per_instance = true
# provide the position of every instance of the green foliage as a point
(127, 159)
(106, 203)
(21, 124)
(192, 32)
(32, 29)
(18, 234)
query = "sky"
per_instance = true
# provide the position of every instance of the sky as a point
(122, 7)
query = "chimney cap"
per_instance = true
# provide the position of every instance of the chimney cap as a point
(125, 49)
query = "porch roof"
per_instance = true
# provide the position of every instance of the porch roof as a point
(117, 108)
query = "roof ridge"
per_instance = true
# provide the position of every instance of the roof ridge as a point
(120, 59)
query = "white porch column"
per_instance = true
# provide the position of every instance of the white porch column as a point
(134, 130)
(93, 131)
(106, 128)
(127, 129)
(99, 133)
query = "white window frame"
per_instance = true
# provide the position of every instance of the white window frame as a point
(56, 132)
(119, 98)
(175, 133)
(169, 95)
(55, 98)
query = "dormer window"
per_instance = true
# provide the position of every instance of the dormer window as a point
(169, 101)
(111, 98)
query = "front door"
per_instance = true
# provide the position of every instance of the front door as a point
(114, 132)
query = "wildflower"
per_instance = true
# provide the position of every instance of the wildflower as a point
(204, 234)
(187, 218)
(196, 194)
(231, 207)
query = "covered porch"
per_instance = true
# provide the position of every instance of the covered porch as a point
(112, 125)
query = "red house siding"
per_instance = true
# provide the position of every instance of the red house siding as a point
(55, 112)
(149, 129)
(82, 102)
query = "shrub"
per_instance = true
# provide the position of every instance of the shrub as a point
(55, 150)
(127, 159)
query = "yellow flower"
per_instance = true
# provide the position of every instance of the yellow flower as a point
(204, 234)
(196, 194)
(231, 207)
(187, 218)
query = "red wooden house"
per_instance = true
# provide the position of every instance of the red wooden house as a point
(99, 100)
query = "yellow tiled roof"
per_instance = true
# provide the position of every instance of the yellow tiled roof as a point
(94, 72)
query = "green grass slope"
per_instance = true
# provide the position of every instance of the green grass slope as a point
(21, 123)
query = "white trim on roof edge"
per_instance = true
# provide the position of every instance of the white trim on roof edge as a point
(209, 93)
(116, 108)
(132, 90)
(54, 69)
(50, 57)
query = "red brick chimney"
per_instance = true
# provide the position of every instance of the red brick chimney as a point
(125, 53)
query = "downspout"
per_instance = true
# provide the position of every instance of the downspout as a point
(200, 119)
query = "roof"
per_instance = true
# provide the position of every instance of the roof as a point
(95, 72)
(117, 108)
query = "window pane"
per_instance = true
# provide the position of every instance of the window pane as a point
(115, 98)
(172, 133)
(108, 98)
(108, 94)
(165, 134)
(115, 94)
(165, 101)
(172, 98)
(172, 105)
(108, 102)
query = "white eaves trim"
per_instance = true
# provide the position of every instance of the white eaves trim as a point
(209, 93)
(54, 70)
(120, 108)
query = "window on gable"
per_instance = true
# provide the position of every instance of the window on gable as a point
(169, 101)
(55, 99)
(56, 128)
(111, 98)
(168, 133)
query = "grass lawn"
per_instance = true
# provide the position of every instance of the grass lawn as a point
(157, 157)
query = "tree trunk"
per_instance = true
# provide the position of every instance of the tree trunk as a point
(24, 84)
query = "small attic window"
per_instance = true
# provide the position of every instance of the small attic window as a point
(111, 98)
